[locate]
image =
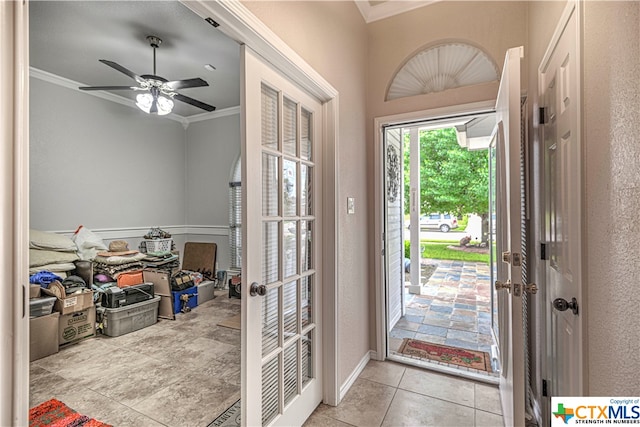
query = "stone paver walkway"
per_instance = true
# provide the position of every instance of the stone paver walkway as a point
(455, 308)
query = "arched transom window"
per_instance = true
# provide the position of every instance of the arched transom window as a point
(442, 67)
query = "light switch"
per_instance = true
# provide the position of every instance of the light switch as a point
(351, 205)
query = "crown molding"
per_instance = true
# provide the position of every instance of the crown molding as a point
(388, 8)
(108, 96)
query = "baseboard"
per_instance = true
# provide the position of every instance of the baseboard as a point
(344, 388)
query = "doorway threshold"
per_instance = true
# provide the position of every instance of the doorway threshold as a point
(445, 369)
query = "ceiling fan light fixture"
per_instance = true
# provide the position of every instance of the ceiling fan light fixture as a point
(145, 101)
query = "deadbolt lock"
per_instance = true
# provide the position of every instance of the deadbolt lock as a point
(531, 288)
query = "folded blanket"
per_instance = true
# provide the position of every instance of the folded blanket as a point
(119, 259)
(38, 257)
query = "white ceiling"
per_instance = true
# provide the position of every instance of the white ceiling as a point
(67, 39)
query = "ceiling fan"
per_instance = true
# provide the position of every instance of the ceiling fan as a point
(157, 92)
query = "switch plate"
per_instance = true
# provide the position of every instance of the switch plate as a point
(351, 205)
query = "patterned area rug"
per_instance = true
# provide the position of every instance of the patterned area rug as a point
(229, 418)
(55, 413)
(479, 360)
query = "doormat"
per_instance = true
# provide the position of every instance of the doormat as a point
(229, 418)
(479, 360)
(55, 413)
(231, 322)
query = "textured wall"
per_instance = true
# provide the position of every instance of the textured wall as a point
(493, 26)
(331, 37)
(612, 156)
(104, 165)
(213, 147)
(101, 164)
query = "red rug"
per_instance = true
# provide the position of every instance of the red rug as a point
(443, 353)
(54, 413)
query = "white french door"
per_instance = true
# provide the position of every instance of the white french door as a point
(393, 221)
(281, 173)
(509, 198)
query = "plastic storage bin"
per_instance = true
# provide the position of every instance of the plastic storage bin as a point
(123, 320)
(41, 306)
(190, 293)
(206, 292)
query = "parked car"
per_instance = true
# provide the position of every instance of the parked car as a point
(443, 222)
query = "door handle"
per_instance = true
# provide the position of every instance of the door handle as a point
(256, 289)
(562, 304)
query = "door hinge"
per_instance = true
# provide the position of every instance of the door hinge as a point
(544, 251)
(542, 115)
(545, 389)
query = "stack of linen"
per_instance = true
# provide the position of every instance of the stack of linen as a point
(117, 260)
(51, 252)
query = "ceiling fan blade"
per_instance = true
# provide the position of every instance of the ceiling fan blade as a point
(108, 88)
(123, 70)
(194, 102)
(183, 84)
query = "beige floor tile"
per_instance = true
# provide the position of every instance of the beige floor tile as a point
(316, 420)
(413, 409)
(437, 385)
(192, 401)
(387, 373)
(364, 405)
(487, 419)
(488, 398)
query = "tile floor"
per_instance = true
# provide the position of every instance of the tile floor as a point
(140, 379)
(455, 308)
(391, 394)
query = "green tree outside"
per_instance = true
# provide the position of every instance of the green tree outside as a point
(452, 179)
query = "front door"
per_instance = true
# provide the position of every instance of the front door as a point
(509, 202)
(281, 173)
(393, 221)
(562, 201)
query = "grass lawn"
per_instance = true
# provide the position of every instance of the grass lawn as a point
(440, 251)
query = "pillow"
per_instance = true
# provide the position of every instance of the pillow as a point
(38, 257)
(50, 241)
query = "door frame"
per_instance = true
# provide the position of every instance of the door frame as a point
(237, 22)
(542, 404)
(381, 346)
(14, 213)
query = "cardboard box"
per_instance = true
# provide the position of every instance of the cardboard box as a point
(161, 287)
(43, 336)
(34, 291)
(76, 326)
(72, 303)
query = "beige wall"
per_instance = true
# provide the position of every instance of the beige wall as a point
(492, 26)
(331, 37)
(612, 181)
